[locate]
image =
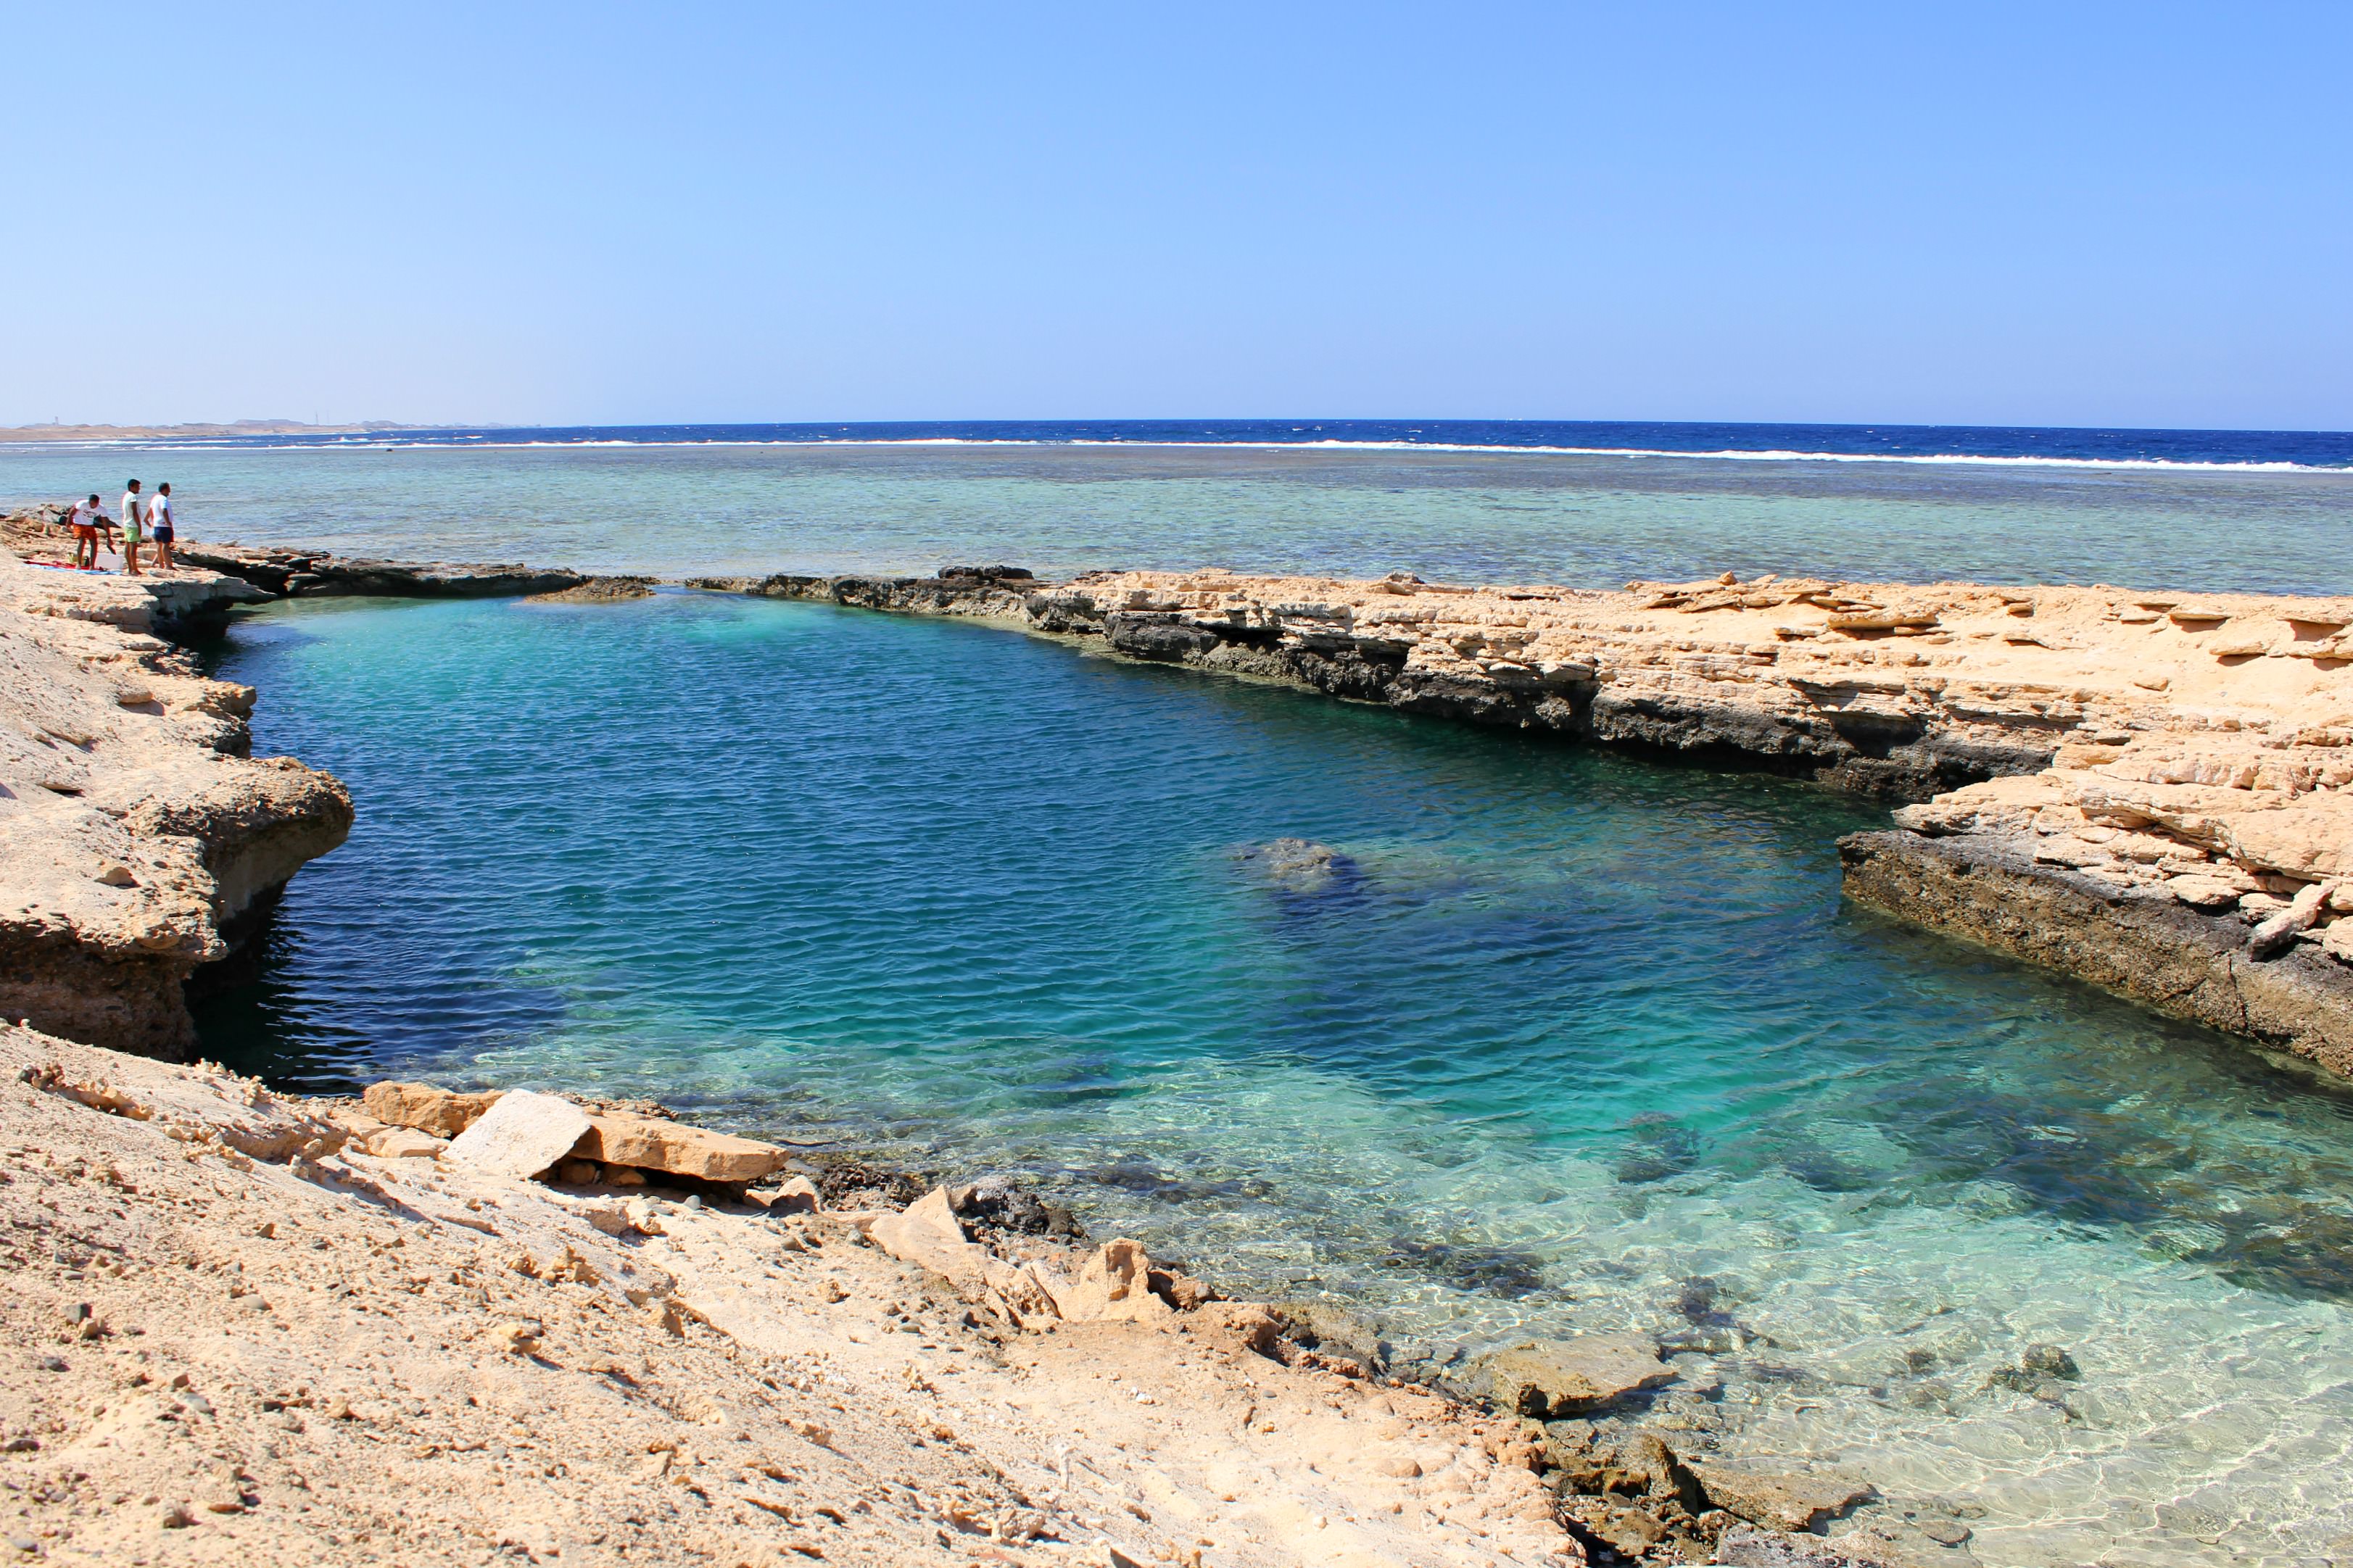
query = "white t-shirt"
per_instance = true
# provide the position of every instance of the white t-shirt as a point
(85, 514)
(132, 509)
(159, 512)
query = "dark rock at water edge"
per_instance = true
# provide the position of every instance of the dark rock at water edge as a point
(2143, 944)
(312, 573)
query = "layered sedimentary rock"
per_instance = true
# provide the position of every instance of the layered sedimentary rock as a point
(313, 574)
(1899, 691)
(39, 534)
(2147, 790)
(136, 834)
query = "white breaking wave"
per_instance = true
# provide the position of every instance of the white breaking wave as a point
(379, 444)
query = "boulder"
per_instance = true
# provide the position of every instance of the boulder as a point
(927, 1233)
(2274, 934)
(653, 1145)
(608, 1217)
(522, 1135)
(1115, 1285)
(1780, 1501)
(405, 1143)
(1248, 1325)
(2210, 895)
(1568, 1377)
(440, 1111)
(798, 1195)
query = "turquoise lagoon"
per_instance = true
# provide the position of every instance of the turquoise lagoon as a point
(1554, 1036)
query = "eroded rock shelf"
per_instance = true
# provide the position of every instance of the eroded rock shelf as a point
(137, 834)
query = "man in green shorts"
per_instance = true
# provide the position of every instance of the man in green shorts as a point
(134, 524)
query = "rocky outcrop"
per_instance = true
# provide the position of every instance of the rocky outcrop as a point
(2151, 791)
(989, 593)
(1898, 690)
(37, 533)
(1573, 1376)
(312, 573)
(2141, 940)
(601, 591)
(531, 1133)
(137, 836)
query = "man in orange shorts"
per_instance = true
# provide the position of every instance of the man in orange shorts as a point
(85, 519)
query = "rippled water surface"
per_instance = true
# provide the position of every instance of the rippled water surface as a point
(1527, 1039)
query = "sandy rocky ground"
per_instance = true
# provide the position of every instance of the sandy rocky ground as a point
(238, 1335)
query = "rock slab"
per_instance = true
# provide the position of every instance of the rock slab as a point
(1779, 1502)
(524, 1133)
(1559, 1378)
(654, 1145)
(928, 1234)
(440, 1112)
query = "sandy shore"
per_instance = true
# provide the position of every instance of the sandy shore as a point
(259, 1330)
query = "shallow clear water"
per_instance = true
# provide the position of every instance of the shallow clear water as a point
(1553, 1033)
(1503, 516)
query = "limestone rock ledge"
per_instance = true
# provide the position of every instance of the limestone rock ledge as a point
(313, 574)
(2139, 941)
(1889, 688)
(136, 833)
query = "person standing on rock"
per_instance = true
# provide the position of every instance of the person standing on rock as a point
(159, 526)
(85, 520)
(134, 517)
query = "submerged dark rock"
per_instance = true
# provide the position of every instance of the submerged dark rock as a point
(1003, 1205)
(1501, 1270)
(1658, 1148)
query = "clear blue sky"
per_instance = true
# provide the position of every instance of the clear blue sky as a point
(2071, 214)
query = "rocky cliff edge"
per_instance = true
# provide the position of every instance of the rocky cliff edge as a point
(136, 832)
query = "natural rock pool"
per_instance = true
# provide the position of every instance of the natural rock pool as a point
(1484, 1036)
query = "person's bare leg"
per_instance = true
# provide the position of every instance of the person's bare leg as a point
(130, 558)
